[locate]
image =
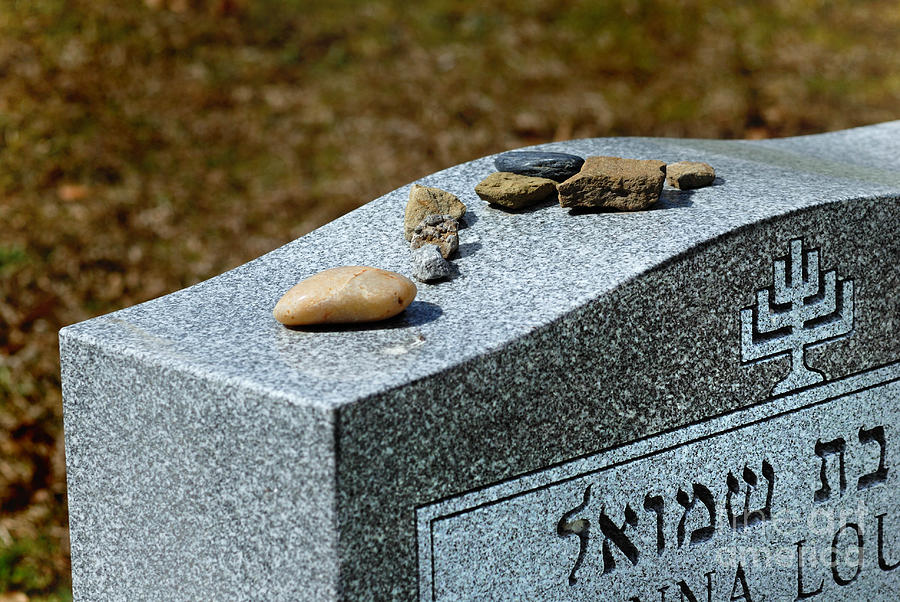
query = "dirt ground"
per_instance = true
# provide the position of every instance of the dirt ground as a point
(147, 145)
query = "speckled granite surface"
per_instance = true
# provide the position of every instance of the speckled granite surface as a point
(216, 453)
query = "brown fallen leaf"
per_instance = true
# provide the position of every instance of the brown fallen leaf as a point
(69, 193)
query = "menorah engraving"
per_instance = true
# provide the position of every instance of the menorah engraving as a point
(803, 307)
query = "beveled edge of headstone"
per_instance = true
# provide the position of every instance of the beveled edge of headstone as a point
(516, 271)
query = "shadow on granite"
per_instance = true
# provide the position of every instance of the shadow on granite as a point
(418, 313)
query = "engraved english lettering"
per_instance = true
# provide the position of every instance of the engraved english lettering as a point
(740, 580)
(835, 573)
(688, 596)
(882, 563)
(802, 594)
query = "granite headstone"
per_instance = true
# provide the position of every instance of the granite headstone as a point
(694, 402)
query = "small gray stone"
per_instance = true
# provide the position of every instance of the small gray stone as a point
(513, 190)
(428, 264)
(438, 230)
(434, 220)
(690, 174)
(541, 164)
(614, 183)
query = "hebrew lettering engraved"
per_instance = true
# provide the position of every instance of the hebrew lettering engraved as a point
(655, 503)
(824, 450)
(883, 563)
(750, 517)
(705, 496)
(875, 435)
(580, 527)
(616, 535)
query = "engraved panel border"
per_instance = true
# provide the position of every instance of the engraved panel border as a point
(437, 514)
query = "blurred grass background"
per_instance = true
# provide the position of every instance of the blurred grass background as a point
(149, 144)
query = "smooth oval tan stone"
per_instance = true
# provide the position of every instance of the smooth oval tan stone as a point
(345, 295)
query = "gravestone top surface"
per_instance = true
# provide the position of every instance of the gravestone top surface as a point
(516, 271)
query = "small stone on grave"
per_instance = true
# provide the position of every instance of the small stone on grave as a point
(540, 164)
(346, 294)
(614, 183)
(685, 175)
(429, 264)
(425, 201)
(438, 230)
(514, 191)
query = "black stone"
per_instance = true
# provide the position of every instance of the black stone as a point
(542, 164)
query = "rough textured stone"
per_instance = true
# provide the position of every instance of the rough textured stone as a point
(540, 164)
(425, 201)
(429, 264)
(344, 295)
(438, 230)
(690, 174)
(614, 183)
(214, 454)
(513, 190)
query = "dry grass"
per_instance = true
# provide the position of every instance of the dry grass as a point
(147, 145)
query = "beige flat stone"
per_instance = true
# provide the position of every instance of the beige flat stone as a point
(615, 183)
(513, 190)
(345, 295)
(685, 175)
(425, 201)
